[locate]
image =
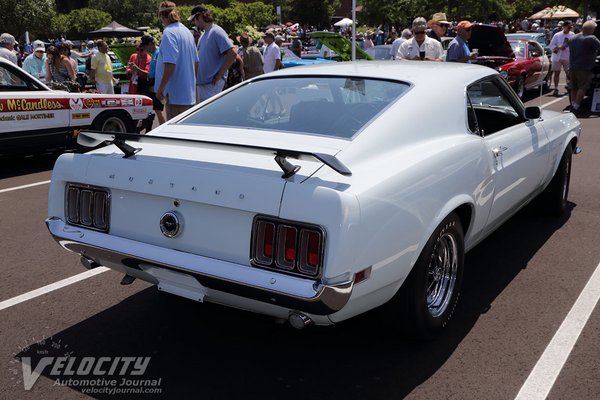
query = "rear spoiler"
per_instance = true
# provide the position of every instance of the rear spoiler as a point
(97, 138)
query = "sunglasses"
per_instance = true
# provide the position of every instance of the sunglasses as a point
(419, 32)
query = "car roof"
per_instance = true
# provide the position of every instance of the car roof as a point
(418, 73)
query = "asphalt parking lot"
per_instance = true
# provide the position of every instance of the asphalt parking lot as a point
(527, 325)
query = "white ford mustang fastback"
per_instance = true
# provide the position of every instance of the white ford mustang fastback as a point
(315, 194)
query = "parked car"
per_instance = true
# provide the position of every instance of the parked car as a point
(339, 45)
(316, 194)
(33, 117)
(380, 52)
(529, 69)
(289, 59)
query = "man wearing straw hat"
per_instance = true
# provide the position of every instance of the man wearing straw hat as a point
(253, 60)
(438, 26)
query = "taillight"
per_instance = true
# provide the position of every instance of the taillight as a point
(87, 206)
(265, 242)
(310, 252)
(287, 246)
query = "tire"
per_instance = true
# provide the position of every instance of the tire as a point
(113, 122)
(547, 81)
(555, 197)
(431, 291)
(520, 86)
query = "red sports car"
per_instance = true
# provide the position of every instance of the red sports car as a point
(523, 63)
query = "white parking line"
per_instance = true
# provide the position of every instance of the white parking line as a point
(24, 186)
(544, 374)
(554, 101)
(51, 287)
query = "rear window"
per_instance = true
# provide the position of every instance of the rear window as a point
(329, 106)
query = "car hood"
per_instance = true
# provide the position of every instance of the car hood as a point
(490, 41)
(341, 45)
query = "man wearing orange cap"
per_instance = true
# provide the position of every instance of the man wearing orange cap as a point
(458, 49)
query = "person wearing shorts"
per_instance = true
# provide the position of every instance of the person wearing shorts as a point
(560, 53)
(583, 49)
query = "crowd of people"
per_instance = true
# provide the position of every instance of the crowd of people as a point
(192, 65)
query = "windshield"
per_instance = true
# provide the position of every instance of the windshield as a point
(518, 49)
(329, 106)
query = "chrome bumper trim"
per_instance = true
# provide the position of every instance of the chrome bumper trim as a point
(318, 298)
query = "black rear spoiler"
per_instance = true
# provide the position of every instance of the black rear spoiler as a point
(97, 138)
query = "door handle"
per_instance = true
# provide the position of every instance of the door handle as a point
(497, 151)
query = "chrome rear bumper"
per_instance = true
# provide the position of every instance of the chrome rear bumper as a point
(322, 297)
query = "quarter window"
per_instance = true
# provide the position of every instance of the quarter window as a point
(491, 107)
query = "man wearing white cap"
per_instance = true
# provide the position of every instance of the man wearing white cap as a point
(35, 63)
(7, 47)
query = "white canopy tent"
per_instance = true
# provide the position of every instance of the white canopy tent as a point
(556, 12)
(343, 23)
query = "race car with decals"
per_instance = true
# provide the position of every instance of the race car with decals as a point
(34, 117)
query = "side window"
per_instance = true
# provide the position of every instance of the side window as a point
(491, 107)
(10, 81)
(535, 48)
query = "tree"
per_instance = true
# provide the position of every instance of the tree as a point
(79, 22)
(18, 16)
(238, 17)
(313, 12)
(131, 13)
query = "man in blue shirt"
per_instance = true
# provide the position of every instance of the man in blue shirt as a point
(458, 49)
(215, 52)
(176, 64)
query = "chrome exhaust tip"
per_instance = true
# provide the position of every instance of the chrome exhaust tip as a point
(88, 263)
(299, 320)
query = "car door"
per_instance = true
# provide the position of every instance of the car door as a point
(536, 51)
(517, 147)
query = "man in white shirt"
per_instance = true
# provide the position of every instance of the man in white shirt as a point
(7, 47)
(271, 54)
(560, 52)
(421, 46)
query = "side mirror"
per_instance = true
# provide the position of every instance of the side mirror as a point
(533, 112)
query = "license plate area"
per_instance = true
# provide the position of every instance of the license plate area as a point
(176, 283)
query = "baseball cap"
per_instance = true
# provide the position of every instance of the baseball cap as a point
(464, 25)
(197, 10)
(38, 45)
(269, 33)
(7, 38)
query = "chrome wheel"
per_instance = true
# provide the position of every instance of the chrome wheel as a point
(520, 87)
(441, 274)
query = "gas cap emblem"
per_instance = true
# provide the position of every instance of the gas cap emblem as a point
(170, 224)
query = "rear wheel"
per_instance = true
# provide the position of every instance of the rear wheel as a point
(431, 291)
(113, 122)
(520, 86)
(554, 197)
